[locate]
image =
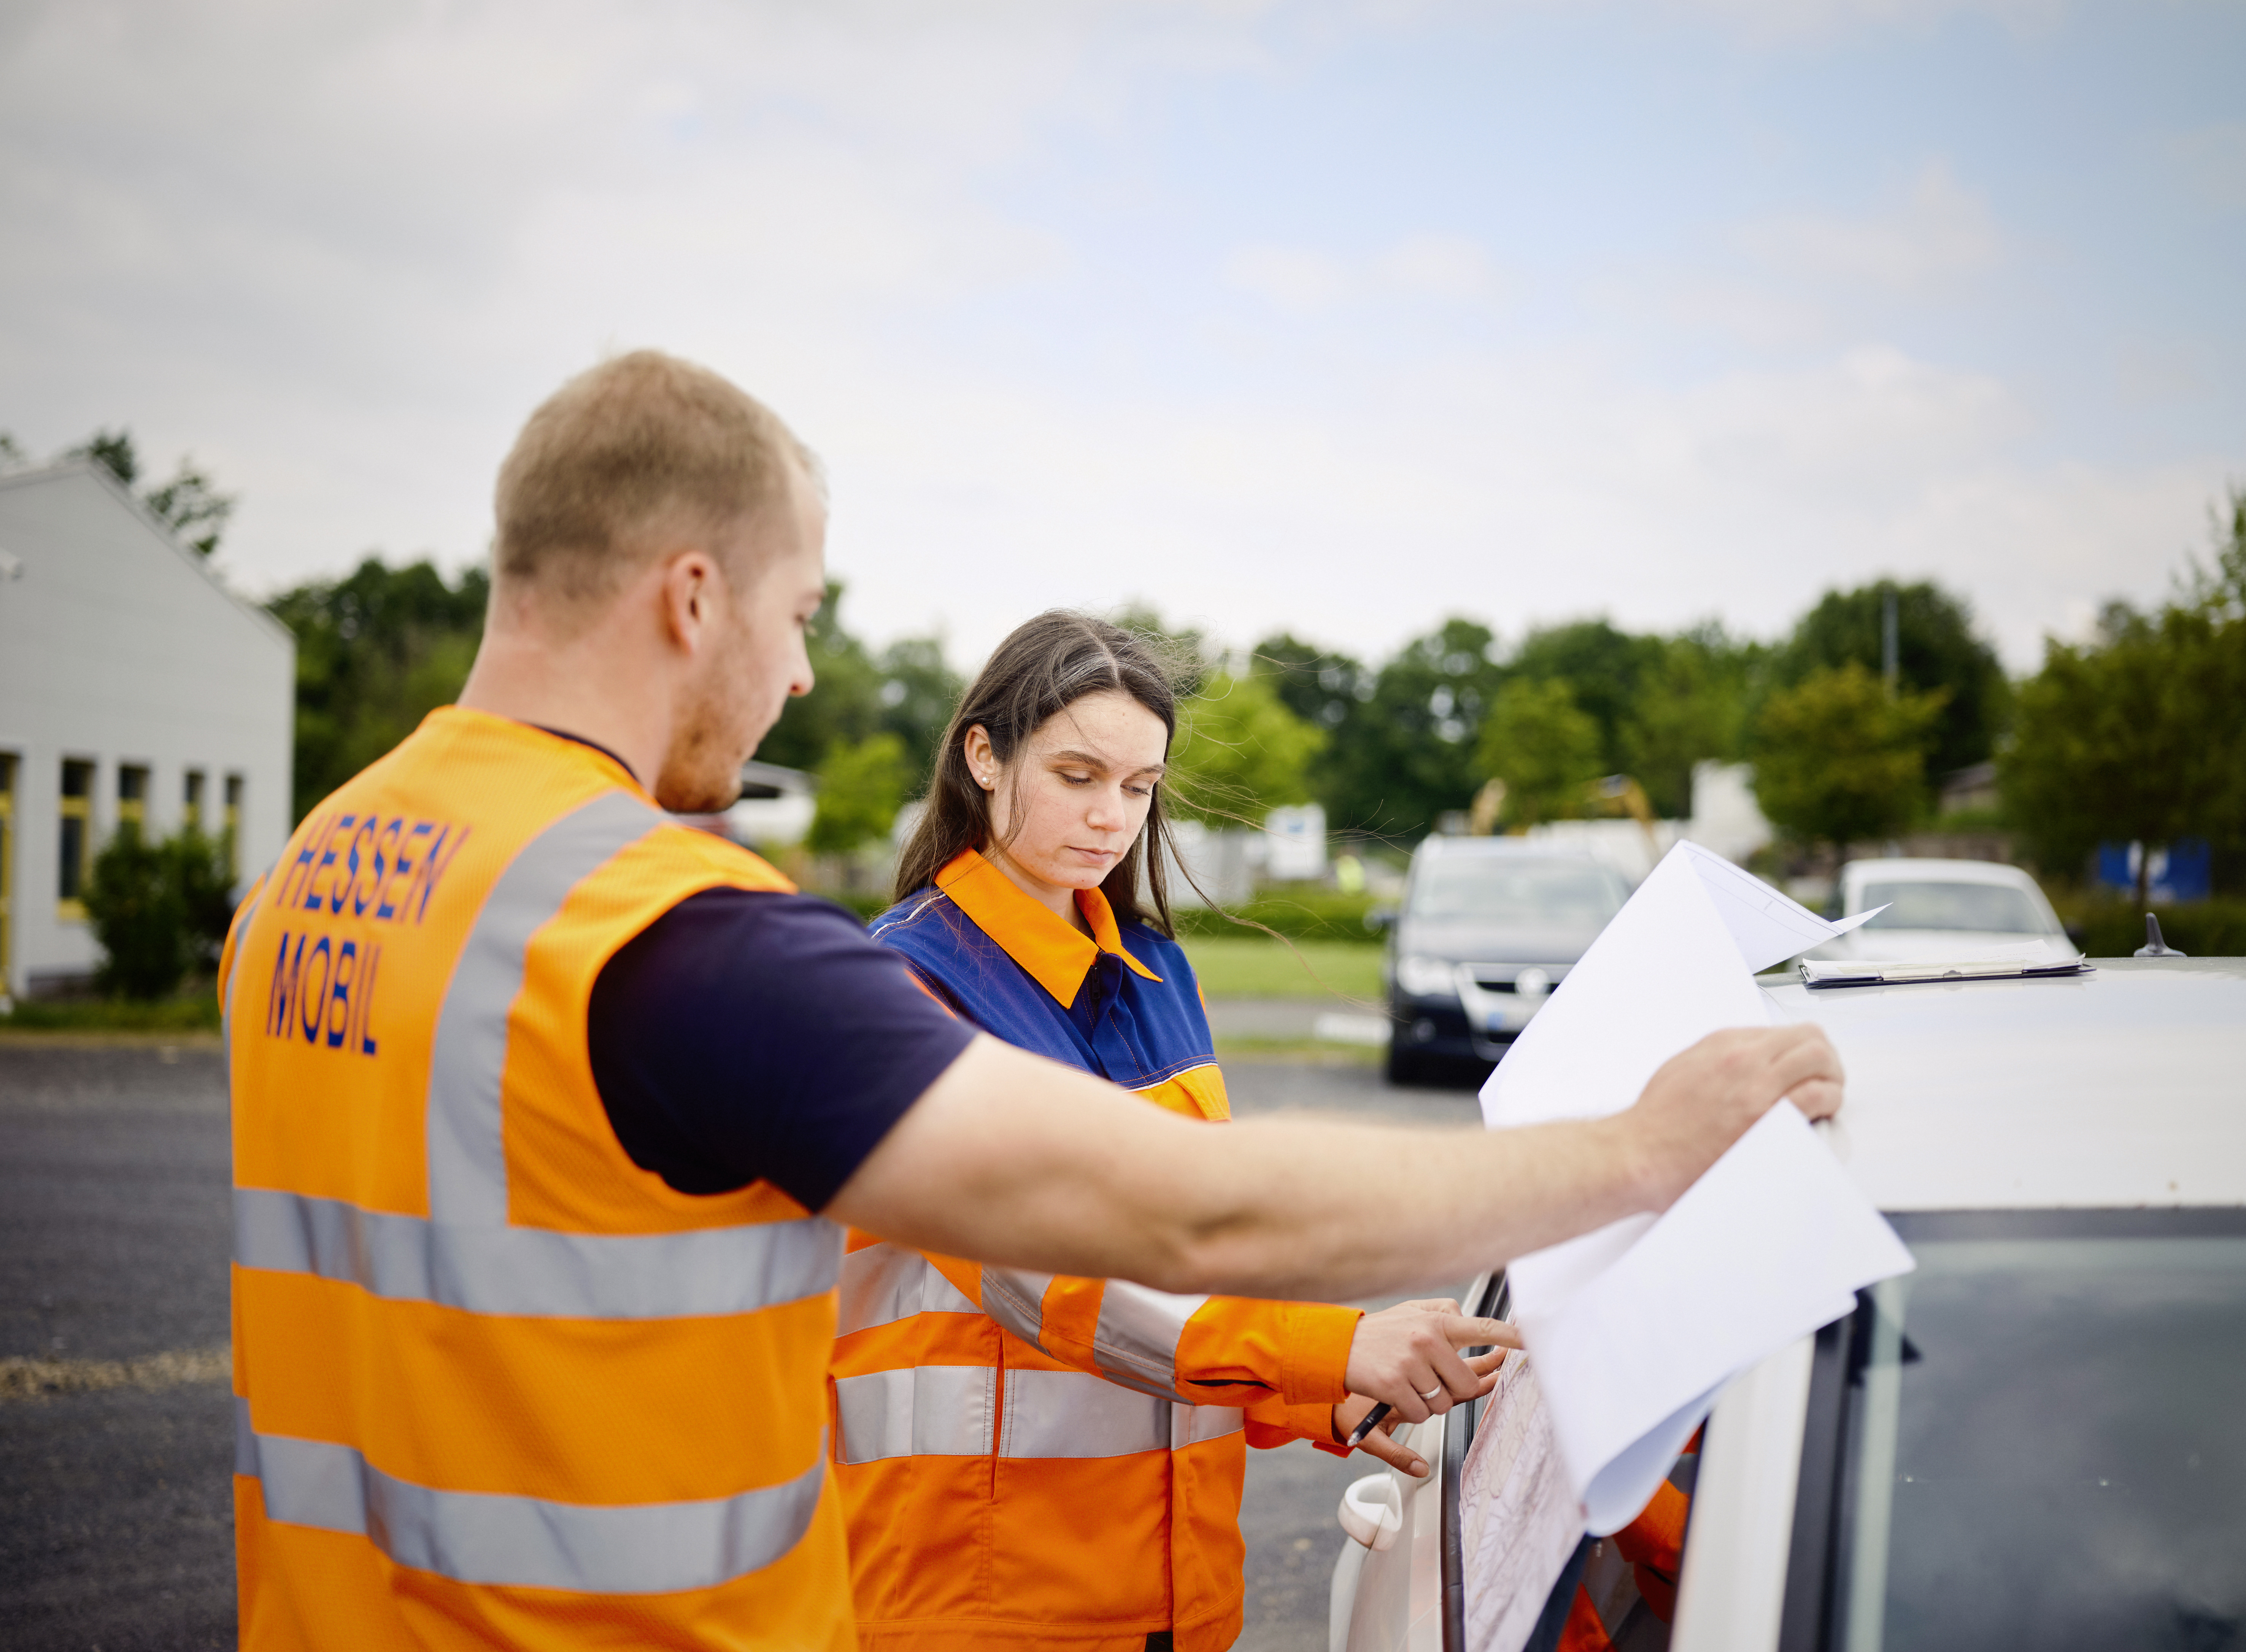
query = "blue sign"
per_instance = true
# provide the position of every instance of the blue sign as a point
(2181, 871)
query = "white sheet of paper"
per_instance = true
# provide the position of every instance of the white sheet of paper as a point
(1519, 1521)
(1637, 1325)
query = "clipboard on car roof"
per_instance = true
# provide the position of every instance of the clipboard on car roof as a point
(1848, 972)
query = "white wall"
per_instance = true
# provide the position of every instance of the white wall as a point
(117, 646)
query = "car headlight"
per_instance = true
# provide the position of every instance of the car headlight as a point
(1425, 977)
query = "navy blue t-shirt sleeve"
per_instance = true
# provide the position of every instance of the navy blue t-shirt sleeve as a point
(747, 1034)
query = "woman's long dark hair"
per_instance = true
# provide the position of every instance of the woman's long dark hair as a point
(1048, 664)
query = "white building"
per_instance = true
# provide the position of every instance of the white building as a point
(132, 686)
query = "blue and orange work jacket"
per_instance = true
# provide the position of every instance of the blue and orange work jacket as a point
(1038, 1458)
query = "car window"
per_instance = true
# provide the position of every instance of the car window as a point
(2042, 1444)
(1954, 906)
(1496, 890)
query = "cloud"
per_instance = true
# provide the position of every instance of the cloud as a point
(341, 251)
(1821, 22)
(1938, 233)
(2212, 162)
(1301, 281)
(1298, 281)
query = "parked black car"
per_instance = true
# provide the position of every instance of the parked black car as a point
(1488, 928)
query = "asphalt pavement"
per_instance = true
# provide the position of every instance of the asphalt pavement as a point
(116, 1432)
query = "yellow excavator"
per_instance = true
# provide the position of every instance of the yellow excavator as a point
(1611, 794)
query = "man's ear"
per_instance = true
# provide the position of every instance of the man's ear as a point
(690, 592)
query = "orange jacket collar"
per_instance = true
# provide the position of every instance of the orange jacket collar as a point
(1056, 954)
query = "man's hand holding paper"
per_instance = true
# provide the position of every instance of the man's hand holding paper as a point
(1746, 1070)
(1634, 1327)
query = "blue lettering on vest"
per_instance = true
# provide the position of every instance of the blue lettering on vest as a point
(339, 997)
(282, 991)
(312, 1002)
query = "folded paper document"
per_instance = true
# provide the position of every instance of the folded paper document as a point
(1634, 1328)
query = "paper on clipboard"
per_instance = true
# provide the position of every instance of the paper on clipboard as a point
(1635, 1327)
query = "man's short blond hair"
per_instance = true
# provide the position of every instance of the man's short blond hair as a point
(630, 458)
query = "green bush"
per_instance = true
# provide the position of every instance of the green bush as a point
(2114, 927)
(159, 909)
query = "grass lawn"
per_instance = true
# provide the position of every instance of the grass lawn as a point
(194, 1010)
(1254, 967)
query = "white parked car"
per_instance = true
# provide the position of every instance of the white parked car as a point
(2036, 1439)
(1946, 909)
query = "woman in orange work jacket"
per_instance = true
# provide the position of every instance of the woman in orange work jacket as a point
(1046, 1460)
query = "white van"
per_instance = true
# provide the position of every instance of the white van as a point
(2036, 1439)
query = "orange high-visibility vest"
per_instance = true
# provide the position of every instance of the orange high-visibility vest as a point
(496, 1385)
(1044, 1460)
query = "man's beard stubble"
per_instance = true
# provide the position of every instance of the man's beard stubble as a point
(701, 772)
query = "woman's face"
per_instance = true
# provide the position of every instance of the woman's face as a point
(1072, 803)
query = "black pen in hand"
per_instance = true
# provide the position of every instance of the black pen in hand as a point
(1371, 1421)
(1373, 1418)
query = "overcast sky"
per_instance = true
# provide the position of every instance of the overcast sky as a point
(1334, 317)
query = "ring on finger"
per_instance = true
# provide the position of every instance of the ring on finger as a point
(1431, 1393)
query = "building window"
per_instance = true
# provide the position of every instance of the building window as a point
(77, 824)
(233, 825)
(7, 867)
(191, 800)
(133, 796)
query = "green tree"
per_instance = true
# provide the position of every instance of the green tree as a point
(919, 691)
(1936, 649)
(193, 507)
(1544, 746)
(2132, 738)
(113, 450)
(190, 503)
(1604, 669)
(376, 651)
(860, 785)
(907, 690)
(1321, 687)
(1691, 706)
(1839, 759)
(1239, 751)
(1408, 752)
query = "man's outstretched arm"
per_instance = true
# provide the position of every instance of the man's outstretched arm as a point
(1012, 1158)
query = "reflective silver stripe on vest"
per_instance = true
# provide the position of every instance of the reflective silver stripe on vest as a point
(925, 1410)
(527, 1542)
(1075, 1414)
(468, 1254)
(536, 1271)
(1192, 1425)
(467, 1160)
(884, 1283)
(1136, 1340)
(1016, 1298)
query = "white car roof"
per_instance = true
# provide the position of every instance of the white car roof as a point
(1858, 872)
(2124, 1087)
(1523, 848)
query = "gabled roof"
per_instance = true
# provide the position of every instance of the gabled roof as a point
(66, 469)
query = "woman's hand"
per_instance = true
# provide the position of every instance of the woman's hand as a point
(1380, 1443)
(1407, 1358)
